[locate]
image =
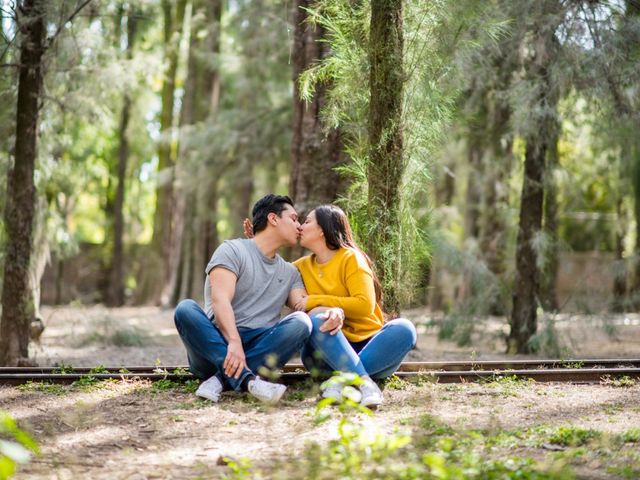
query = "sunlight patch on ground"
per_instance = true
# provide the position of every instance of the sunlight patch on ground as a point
(98, 435)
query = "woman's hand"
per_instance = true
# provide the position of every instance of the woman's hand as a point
(334, 320)
(301, 305)
(247, 226)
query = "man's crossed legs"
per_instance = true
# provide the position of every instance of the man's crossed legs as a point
(268, 347)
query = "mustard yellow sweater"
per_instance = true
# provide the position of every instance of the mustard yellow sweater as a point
(345, 281)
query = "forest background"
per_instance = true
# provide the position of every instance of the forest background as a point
(487, 152)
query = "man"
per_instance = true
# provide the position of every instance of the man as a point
(240, 331)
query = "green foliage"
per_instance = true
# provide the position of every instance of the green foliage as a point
(16, 446)
(110, 335)
(433, 450)
(346, 406)
(63, 369)
(164, 385)
(128, 337)
(89, 381)
(44, 387)
(394, 382)
(98, 369)
(458, 327)
(622, 382)
(628, 472)
(428, 103)
(547, 340)
(572, 364)
(509, 385)
(570, 436)
(240, 469)
(631, 436)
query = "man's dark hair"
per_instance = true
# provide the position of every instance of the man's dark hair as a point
(268, 204)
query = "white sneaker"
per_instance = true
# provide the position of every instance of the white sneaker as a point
(334, 390)
(371, 394)
(266, 391)
(331, 389)
(210, 389)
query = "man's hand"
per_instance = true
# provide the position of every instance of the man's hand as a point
(334, 320)
(247, 226)
(301, 304)
(235, 361)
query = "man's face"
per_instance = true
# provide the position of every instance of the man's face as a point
(288, 225)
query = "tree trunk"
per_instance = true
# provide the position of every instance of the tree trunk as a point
(473, 203)
(493, 235)
(523, 317)
(548, 295)
(523, 322)
(634, 291)
(156, 270)
(445, 190)
(620, 270)
(386, 162)
(193, 224)
(115, 293)
(242, 202)
(40, 252)
(493, 232)
(17, 299)
(315, 153)
(473, 208)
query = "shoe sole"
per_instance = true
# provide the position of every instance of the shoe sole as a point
(271, 401)
(278, 397)
(208, 397)
(371, 405)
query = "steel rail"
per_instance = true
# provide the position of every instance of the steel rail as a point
(442, 372)
(404, 367)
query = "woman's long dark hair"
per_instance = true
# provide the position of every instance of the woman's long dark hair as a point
(337, 233)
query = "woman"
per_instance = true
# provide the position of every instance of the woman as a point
(339, 274)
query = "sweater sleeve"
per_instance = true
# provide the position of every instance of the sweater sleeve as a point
(360, 302)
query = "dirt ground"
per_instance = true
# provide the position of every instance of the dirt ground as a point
(137, 430)
(95, 335)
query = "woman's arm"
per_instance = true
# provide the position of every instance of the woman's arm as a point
(361, 299)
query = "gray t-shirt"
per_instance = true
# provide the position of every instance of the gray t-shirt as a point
(262, 287)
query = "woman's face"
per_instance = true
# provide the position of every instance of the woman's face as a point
(310, 232)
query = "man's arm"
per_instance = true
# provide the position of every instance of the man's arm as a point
(297, 299)
(223, 287)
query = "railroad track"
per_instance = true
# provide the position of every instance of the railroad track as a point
(578, 371)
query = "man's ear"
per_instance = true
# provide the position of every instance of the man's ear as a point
(272, 217)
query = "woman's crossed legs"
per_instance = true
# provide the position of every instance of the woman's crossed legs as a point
(377, 357)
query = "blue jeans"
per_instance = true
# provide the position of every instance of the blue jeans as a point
(269, 347)
(379, 356)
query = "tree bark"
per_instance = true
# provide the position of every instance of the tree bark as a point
(156, 270)
(548, 294)
(620, 270)
(115, 294)
(315, 151)
(386, 149)
(523, 320)
(195, 215)
(626, 296)
(17, 299)
(445, 190)
(523, 317)
(473, 203)
(493, 235)
(242, 202)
